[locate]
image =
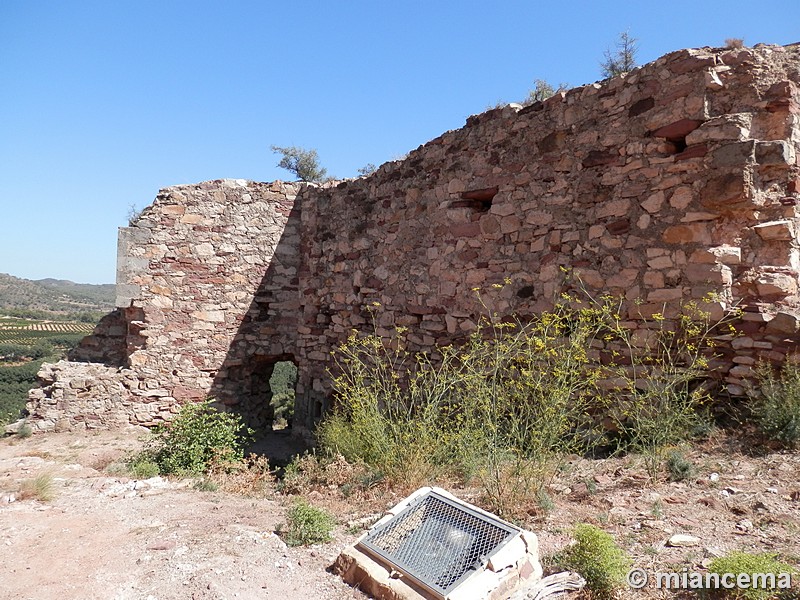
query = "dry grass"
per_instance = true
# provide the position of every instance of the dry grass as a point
(40, 488)
(250, 477)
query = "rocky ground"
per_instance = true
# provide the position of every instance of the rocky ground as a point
(104, 535)
(108, 536)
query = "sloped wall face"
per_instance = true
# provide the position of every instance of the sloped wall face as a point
(208, 300)
(674, 181)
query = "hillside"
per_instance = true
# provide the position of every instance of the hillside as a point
(54, 295)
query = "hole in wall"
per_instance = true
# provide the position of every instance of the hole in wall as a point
(479, 200)
(282, 386)
(678, 144)
(525, 291)
(481, 206)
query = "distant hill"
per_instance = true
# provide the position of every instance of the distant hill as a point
(54, 295)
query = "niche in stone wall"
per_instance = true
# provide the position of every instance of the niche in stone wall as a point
(477, 200)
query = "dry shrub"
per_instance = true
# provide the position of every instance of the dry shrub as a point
(249, 477)
(309, 473)
(39, 488)
(504, 408)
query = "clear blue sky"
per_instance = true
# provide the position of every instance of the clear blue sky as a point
(104, 102)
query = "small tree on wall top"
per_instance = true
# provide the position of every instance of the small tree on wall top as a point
(303, 163)
(623, 60)
(542, 90)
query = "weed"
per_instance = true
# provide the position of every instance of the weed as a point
(355, 529)
(198, 437)
(24, 430)
(774, 574)
(205, 485)
(776, 406)
(657, 509)
(250, 477)
(306, 524)
(507, 407)
(544, 501)
(502, 409)
(39, 488)
(650, 550)
(679, 467)
(663, 398)
(142, 468)
(598, 558)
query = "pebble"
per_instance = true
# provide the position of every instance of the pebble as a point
(682, 540)
(744, 525)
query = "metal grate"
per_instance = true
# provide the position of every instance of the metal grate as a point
(438, 542)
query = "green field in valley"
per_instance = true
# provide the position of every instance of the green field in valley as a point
(24, 345)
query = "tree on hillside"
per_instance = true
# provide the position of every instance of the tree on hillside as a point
(303, 163)
(542, 90)
(623, 60)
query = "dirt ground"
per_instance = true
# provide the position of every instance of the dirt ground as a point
(105, 535)
(111, 537)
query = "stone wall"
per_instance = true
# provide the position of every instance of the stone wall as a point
(207, 296)
(674, 181)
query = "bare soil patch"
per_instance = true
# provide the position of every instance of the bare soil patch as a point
(106, 536)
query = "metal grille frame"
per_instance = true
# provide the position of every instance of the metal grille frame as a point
(438, 542)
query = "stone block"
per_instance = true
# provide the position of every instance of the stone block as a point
(681, 197)
(665, 295)
(776, 284)
(784, 322)
(660, 262)
(508, 555)
(734, 155)
(733, 127)
(777, 152)
(725, 190)
(677, 130)
(653, 203)
(685, 234)
(775, 230)
(708, 273)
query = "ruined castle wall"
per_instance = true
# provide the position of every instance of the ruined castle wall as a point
(207, 288)
(677, 180)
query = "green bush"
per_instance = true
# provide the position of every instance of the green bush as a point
(508, 405)
(306, 524)
(282, 385)
(679, 467)
(776, 406)
(15, 382)
(746, 562)
(502, 408)
(199, 436)
(142, 468)
(597, 557)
